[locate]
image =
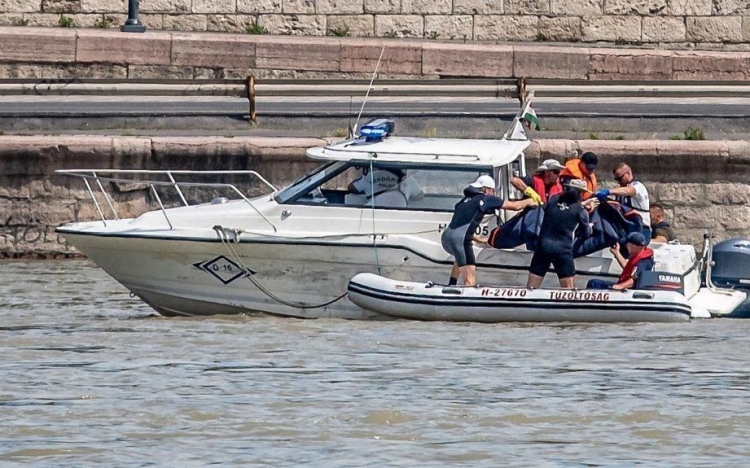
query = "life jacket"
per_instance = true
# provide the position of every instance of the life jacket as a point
(573, 171)
(627, 272)
(537, 183)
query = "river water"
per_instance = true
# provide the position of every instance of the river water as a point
(91, 377)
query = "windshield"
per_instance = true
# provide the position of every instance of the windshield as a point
(384, 185)
(308, 182)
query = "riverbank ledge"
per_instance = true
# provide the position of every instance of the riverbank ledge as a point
(47, 53)
(702, 184)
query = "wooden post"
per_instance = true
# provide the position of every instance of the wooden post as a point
(250, 88)
(521, 87)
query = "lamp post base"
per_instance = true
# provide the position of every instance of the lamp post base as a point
(136, 28)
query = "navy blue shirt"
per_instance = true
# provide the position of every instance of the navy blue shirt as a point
(563, 214)
(472, 208)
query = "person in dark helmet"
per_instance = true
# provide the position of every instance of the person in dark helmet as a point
(640, 259)
(583, 169)
(479, 199)
(563, 215)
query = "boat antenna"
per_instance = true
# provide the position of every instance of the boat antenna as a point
(349, 128)
(369, 87)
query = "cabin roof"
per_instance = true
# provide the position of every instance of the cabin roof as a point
(438, 151)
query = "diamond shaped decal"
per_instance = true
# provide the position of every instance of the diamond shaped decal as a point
(223, 269)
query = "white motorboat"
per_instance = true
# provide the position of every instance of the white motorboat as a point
(291, 252)
(428, 301)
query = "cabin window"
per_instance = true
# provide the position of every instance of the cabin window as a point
(387, 186)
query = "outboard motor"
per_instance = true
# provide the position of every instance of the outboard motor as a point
(661, 281)
(731, 264)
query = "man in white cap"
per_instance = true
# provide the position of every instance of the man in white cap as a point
(563, 215)
(543, 183)
(479, 200)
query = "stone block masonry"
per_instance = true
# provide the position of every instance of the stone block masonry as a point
(710, 191)
(48, 53)
(657, 22)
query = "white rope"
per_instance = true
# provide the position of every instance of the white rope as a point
(236, 258)
(372, 209)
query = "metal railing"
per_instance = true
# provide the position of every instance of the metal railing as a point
(252, 89)
(94, 174)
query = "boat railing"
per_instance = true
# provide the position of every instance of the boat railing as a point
(113, 176)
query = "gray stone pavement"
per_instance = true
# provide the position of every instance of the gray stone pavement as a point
(594, 118)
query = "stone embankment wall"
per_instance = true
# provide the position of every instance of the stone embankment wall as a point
(67, 53)
(705, 22)
(703, 185)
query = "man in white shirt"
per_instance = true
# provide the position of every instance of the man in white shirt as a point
(631, 193)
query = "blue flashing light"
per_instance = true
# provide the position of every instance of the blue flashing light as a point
(376, 130)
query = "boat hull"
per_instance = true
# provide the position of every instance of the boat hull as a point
(420, 301)
(208, 277)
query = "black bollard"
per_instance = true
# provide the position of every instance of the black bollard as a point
(133, 24)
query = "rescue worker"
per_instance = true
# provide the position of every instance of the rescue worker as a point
(583, 169)
(479, 200)
(640, 259)
(382, 185)
(661, 231)
(563, 214)
(544, 183)
(631, 193)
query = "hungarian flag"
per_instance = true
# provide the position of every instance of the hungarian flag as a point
(530, 117)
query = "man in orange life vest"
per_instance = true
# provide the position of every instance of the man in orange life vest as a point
(543, 184)
(583, 169)
(640, 259)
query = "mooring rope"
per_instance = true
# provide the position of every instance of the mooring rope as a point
(372, 210)
(236, 257)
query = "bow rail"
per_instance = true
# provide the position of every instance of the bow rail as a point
(112, 176)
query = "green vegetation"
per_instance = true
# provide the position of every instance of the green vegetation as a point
(256, 28)
(430, 132)
(620, 137)
(433, 35)
(339, 32)
(105, 22)
(690, 133)
(66, 22)
(391, 34)
(340, 132)
(593, 136)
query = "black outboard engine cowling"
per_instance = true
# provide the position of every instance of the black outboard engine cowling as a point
(731, 264)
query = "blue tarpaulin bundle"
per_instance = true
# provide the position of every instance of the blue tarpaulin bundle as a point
(612, 223)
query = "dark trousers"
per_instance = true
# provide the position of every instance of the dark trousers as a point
(599, 284)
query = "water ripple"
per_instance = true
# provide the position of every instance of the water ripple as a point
(92, 377)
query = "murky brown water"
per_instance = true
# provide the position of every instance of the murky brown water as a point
(89, 377)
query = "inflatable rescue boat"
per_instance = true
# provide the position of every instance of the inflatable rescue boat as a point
(428, 301)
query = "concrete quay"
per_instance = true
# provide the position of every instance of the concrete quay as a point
(702, 184)
(30, 52)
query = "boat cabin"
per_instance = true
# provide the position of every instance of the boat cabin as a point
(405, 173)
